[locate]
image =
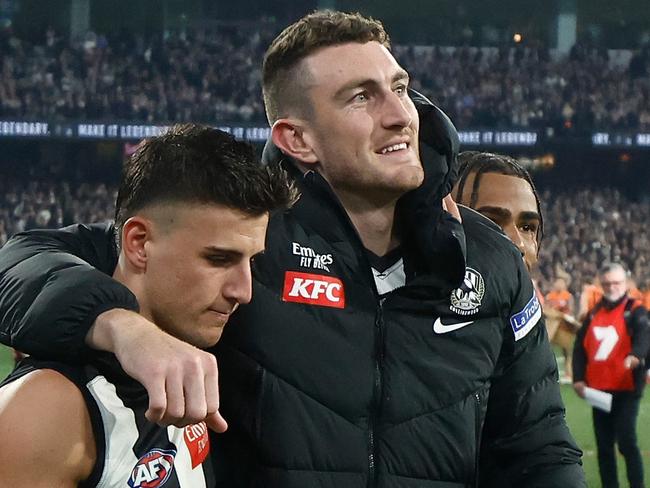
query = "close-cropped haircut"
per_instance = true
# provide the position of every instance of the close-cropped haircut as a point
(197, 164)
(282, 81)
(479, 163)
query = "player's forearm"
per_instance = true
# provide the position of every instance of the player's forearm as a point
(109, 327)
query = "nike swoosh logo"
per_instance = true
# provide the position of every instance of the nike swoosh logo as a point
(440, 328)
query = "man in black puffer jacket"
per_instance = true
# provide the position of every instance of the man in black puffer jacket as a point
(383, 339)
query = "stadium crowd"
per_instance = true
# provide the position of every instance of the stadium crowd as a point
(51, 204)
(215, 76)
(586, 228)
(582, 229)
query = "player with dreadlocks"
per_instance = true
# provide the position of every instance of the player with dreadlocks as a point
(498, 187)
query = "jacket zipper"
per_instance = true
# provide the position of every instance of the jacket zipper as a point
(379, 356)
(477, 451)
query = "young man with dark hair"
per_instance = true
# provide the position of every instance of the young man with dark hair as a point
(498, 187)
(609, 355)
(185, 253)
(374, 341)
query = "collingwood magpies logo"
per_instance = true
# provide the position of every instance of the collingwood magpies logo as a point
(467, 299)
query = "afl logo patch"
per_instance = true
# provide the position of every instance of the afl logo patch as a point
(467, 299)
(153, 469)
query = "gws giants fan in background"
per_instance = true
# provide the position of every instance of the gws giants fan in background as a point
(192, 212)
(609, 355)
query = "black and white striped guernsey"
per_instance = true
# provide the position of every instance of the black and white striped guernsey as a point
(131, 451)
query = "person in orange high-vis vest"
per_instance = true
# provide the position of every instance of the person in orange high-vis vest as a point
(560, 298)
(561, 324)
(646, 294)
(590, 295)
(609, 355)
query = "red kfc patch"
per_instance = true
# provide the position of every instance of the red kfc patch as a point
(313, 289)
(197, 441)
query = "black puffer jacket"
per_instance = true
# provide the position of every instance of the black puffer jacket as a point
(378, 392)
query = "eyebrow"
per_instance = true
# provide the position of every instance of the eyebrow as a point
(530, 216)
(222, 250)
(500, 211)
(504, 212)
(399, 75)
(233, 253)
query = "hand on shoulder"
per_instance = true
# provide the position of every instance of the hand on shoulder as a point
(181, 380)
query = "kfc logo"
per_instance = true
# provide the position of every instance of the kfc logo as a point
(313, 289)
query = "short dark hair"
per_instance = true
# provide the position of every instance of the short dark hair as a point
(198, 164)
(322, 28)
(485, 162)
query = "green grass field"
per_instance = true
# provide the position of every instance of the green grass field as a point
(6, 361)
(578, 415)
(579, 419)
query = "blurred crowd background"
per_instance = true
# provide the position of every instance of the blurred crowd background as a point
(211, 75)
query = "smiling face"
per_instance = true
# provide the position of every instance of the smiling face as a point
(363, 129)
(508, 201)
(198, 268)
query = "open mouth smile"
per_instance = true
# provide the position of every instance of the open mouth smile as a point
(395, 147)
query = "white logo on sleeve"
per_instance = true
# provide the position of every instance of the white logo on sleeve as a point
(440, 328)
(523, 322)
(467, 299)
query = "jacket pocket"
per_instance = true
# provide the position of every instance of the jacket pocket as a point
(480, 407)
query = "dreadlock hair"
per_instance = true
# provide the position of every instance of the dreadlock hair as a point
(479, 163)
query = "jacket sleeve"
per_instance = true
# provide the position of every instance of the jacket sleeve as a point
(53, 284)
(640, 332)
(526, 441)
(579, 360)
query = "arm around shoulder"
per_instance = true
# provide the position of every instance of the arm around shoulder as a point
(53, 284)
(46, 436)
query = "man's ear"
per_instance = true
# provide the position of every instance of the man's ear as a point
(136, 232)
(292, 140)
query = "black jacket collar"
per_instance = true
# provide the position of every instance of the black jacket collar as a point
(440, 262)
